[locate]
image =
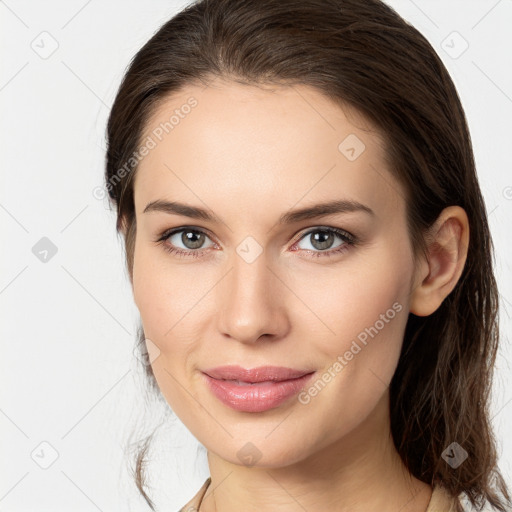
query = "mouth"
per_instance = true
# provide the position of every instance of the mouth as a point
(255, 390)
(255, 375)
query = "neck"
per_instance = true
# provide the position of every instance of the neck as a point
(362, 472)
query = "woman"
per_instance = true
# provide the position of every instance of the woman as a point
(309, 251)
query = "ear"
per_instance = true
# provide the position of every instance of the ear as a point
(447, 249)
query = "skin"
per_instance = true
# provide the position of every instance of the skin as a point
(250, 154)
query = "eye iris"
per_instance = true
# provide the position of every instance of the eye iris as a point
(187, 238)
(322, 239)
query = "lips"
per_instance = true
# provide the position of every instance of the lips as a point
(259, 374)
(257, 389)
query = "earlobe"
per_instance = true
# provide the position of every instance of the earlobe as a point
(447, 252)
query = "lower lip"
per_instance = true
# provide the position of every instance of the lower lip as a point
(256, 397)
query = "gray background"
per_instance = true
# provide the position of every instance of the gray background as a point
(70, 379)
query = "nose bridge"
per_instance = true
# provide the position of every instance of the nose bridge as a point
(249, 297)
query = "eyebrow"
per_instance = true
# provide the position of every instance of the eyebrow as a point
(309, 212)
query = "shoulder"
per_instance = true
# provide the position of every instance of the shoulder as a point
(193, 504)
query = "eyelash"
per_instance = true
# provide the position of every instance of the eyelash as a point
(349, 239)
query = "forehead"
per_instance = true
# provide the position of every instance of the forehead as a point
(233, 146)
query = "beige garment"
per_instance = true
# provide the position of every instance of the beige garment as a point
(440, 501)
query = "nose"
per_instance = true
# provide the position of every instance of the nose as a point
(251, 302)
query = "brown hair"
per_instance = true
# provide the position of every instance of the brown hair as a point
(363, 54)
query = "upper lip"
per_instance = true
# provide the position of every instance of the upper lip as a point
(259, 374)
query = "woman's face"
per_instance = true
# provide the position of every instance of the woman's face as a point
(260, 285)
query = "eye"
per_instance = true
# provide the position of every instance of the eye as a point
(192, 240)
(323, 238)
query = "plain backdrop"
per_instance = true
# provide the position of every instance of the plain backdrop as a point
(72, 391)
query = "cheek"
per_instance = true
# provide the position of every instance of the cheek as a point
(373, 320)
(169, 306)
(165, 295)
(363, 298)
(375, 310)
(366, 310)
